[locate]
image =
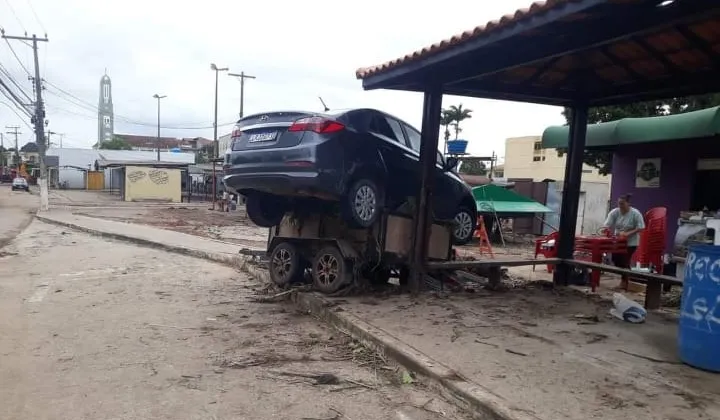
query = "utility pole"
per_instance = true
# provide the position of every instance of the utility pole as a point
(39, 117)
(15, 132)
(158, 97)
(242, 76)
(55, 134)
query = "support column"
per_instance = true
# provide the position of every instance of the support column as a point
(422, 221)
(571, 190)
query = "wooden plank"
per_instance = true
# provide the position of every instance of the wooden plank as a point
(459, 265)
(648, 277)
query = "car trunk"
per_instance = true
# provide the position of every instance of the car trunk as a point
(266, 131)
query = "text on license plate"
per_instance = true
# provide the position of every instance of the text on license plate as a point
(260, 137)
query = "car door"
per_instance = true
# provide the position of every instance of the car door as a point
(444, 199)
(396, 157)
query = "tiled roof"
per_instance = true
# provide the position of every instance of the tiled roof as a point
(534, 9)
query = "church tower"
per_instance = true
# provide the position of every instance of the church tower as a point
(105, 110)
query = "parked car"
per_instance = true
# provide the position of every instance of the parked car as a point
(20, 183)
(364, 159)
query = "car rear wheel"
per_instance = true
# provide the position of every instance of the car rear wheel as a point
(363, 203)
(464, 226)
(265, 210)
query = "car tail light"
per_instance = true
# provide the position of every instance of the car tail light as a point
(317, 124)
(299, 163)
(236, 133)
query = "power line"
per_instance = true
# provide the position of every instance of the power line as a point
(8, 93)
(16, 16)
(16, 56)
(70, 98)
(90, 117)
(36, 17)
(12, 108)
(7, 74)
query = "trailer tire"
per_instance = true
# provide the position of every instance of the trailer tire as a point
(285, 266)
(329, 270)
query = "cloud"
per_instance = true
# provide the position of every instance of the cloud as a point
(297, 51)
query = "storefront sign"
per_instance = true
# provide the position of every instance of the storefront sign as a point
(647, 174)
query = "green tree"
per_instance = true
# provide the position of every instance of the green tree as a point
(115, 144)
(473, 167)
(456, 115)
(601, 159)
(445, 121)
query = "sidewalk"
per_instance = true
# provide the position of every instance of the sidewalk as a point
(524, 354)
(218, 251)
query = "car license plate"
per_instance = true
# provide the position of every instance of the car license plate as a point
(262, 137)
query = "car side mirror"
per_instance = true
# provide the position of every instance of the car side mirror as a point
(451, 163)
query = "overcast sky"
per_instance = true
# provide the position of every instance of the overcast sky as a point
(297, 50)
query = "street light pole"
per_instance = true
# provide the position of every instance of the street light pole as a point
(242, 76)
(158, 97)
(215, 138)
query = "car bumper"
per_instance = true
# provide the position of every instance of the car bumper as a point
(301, 183)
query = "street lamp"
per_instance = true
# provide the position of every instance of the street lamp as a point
(215, 138)
(158, 97)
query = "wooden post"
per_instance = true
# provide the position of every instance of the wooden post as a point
(422, 220)
(653, 294)
(571, 191)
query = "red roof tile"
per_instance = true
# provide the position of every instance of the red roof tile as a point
(534, 9)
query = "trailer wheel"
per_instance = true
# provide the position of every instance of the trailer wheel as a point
(285, 264)
(329, 271)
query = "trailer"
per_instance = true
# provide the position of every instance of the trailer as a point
(319, 245)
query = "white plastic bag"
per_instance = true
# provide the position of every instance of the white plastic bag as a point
(628, 310)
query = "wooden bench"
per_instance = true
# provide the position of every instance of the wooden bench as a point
(654, 282)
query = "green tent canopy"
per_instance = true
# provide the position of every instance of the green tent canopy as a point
(689, 125)
(495, 199)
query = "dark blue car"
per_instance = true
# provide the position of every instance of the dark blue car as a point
(363, 159)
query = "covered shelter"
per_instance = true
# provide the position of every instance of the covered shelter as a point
(572, 53)
(146, 180)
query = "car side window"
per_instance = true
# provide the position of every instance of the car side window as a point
(379, 125)
(397, 130)
(413, 137)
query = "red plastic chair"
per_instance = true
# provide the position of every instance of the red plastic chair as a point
(547, 247)
(652, 239)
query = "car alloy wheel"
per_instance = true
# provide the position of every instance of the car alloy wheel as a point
(329, 270)
(284, 264)
(464, 227)
(365, 203)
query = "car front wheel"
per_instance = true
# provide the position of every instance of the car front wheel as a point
(465, 224)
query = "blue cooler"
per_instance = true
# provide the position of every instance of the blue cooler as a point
(699, 330)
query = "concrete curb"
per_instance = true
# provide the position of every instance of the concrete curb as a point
(481, 402)
(235, 261)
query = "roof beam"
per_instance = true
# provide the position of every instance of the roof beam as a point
(542, 70)
(700, 43)
(671, 67)
(686, 85)
(617, 62)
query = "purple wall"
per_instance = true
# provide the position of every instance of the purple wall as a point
(677, 175)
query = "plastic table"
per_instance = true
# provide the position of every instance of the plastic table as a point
(596, 246)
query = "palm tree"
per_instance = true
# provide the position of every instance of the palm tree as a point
(446, 121)
(458, 114)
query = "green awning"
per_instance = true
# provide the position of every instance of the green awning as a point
(690, 125)
(495, 199)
